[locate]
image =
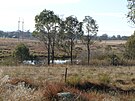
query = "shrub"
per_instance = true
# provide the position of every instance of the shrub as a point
(114, 59)
(21, 52)
(130, 47)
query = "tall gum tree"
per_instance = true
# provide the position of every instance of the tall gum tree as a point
(63, 44)
(73, 29)
(90, 28)
(45, 30)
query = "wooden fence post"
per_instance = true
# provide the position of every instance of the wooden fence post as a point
(66, 75)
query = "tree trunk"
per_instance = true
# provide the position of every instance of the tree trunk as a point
(88, 49)
(49, 44)
(71, 52)
(53, 44)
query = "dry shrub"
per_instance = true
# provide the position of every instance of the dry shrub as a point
(93, 96)
(27, 82)
(17, 89)
(51, 90)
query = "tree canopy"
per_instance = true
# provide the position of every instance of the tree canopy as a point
(46, 24)
(131, 13)
(56, 32)
(91, 29)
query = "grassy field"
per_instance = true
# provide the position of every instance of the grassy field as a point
(7, 46)
(25, 83)
(84, 83)
(113, 42)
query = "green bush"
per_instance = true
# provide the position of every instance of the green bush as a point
(21, 52)
(114, 59)
(130, 47)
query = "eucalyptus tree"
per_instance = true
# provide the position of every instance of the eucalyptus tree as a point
(73, 29)
(91, 29)
(54, 34)
(46, 24)
(63, 43)
(131, 13)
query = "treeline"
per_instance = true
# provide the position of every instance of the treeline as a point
(106, 37)
(63, 34)
(28, 35)
(16, 34)
(75, 39)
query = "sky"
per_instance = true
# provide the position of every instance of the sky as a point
(110, 15)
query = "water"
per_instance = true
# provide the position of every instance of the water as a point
(60, 61)
(34, 62)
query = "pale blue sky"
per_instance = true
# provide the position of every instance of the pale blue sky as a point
(109, 14)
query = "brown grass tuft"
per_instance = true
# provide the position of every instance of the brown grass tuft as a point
(27, 82)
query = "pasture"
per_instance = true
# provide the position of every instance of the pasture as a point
(85, 83)
(33, 83)
(7, 46)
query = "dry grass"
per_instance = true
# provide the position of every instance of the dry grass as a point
(7, 45)
(56, 73)
(43, 83)
(33, 83)
(113, 42)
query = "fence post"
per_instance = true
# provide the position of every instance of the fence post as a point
(66, 75)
